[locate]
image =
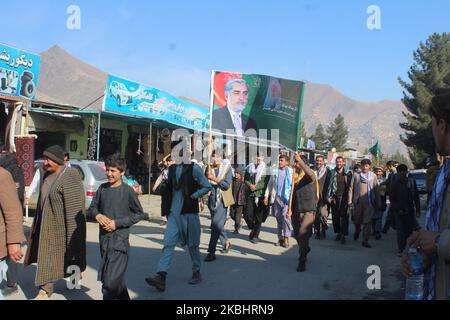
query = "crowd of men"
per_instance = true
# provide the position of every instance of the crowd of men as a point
(299, 197)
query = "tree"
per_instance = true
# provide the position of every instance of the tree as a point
(397, 156)
(431, 70)
(337, 133)
(319, 137)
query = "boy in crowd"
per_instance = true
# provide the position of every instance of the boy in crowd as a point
(116, 208)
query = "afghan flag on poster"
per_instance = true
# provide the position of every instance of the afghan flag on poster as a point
(241, 102)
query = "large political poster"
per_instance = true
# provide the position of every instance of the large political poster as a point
(131, 98)
(245, 102)
(19, 71)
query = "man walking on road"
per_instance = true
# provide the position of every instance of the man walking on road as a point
(58, 236)
(338, 192)
(303, 206)
(405, 204)
(278, 193)
(364, 198)
(324, 176)
(256, 179)
(220, 178)
(186, 184)
(391, 175)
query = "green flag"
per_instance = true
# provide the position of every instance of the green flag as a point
(375, 150)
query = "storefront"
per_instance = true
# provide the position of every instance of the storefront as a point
(143, 143)
(19, 72)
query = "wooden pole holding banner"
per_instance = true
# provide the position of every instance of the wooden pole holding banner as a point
(300, 106)
(98, 135)
(150, 158)
(211, 108)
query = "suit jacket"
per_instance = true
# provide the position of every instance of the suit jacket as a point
(222, 120)
(11, 230)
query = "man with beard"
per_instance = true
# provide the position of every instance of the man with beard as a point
(231, 116)
(323, 176)
(364, 197)
(256, 179)
(338, 193)
(58, 236)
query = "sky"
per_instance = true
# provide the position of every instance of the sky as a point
(173, 45)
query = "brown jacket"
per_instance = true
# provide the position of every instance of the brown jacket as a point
(353, 196)
(11, 229)
(60, 240)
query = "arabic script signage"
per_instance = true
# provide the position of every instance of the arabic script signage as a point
(131, 98)
(19, 72)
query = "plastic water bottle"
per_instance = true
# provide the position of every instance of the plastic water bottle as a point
(414, 283)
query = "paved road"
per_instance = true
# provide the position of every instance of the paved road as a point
(248, 271)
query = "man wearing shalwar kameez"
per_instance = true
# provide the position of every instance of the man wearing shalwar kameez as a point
(279, 190)
(220, 178)
(185, 185)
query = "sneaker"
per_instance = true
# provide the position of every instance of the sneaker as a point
(158, 281)
(210, 257)
(42, 295)
(366, 245)
(227, 248)
(254, 240)
(9, 291)
(196, 278)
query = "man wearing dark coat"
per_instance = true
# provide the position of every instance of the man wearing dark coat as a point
(58, 235)
(231, 116)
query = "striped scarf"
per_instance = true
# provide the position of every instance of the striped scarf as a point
(433, 217)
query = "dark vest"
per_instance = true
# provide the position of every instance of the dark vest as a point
(186, 184)
(305, 196)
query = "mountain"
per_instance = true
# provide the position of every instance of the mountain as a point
(63, 79)
(366, 121)
(66, 80)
